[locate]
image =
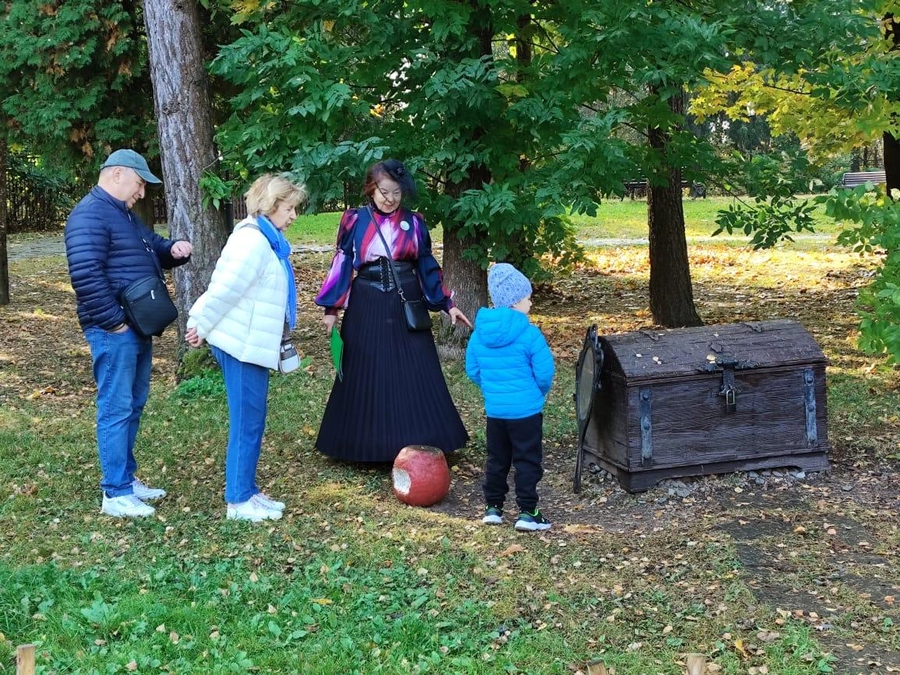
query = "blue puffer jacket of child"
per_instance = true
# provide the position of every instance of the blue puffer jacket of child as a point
(509, 359)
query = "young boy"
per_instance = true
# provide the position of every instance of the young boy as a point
(508, 358)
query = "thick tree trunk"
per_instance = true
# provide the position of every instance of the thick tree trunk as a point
(464, 277)
(181, 101)
(892, 143)
(891, 161)
(4, 226)
(469, 283)
(671, 292)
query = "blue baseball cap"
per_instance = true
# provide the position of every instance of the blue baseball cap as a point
(131, 160)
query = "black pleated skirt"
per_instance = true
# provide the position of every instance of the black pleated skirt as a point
(393, 393)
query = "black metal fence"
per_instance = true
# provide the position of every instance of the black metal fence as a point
(160, 215)
(36, 200)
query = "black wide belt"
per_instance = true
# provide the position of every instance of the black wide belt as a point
(378, 274)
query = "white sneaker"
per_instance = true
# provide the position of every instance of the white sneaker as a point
(266, 501)
(144, 491)
(251, 510)
(126, 506)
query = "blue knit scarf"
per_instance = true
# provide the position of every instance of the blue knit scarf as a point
(283, 250)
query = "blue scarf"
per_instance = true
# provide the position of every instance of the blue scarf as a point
(283, 250)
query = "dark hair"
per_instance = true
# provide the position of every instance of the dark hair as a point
(395, 170)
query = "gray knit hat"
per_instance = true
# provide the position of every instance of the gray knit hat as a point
(507, 285)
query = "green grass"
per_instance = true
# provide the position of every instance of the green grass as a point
(616, 219)
(625, 219)
(351, 581)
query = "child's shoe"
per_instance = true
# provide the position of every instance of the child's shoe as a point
(532, 522)
(493, 515)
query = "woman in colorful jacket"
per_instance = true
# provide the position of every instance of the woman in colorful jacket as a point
(393, 391)
(250, 304)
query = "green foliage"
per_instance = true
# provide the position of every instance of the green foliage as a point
(72, 77)
(326, 88)
(772, 181)
(216, 189)
(206, 384)
(876, 219)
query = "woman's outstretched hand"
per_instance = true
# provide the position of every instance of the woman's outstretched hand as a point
(457, 315)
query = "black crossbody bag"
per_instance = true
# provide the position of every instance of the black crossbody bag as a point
(415, 311)
(148, 308)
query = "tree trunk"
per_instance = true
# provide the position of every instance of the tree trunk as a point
(183, 113)
(671, 292)
(465, 277)
(469, 283)
(891, 161)
(891, 142)
(4, 227)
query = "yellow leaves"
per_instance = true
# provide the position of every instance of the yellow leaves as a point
(322, 601)
(581, 529)
(35, 395)
(513, 548)
(790, 106)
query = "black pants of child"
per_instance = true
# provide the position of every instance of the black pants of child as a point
(515, 443)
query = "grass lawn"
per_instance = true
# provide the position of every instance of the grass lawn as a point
(762, 574)
(615, 219)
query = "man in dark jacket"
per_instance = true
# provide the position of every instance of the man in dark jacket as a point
(108, 248)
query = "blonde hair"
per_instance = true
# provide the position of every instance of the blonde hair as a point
(266, 191)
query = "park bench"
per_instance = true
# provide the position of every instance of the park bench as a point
(855, 178)
(636, 187)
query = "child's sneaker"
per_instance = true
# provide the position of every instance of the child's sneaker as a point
(532, 522)
(493, 515)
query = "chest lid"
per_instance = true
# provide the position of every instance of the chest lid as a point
(673, 353)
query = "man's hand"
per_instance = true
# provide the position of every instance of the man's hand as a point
(457, 315)
(192, 338)
(181, 249)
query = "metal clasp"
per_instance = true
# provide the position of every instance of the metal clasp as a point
(728, 390)
(730, 394)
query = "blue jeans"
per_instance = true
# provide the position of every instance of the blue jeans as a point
(247, 388)
(122, 364)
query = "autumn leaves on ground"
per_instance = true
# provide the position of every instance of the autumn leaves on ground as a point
(763, 573)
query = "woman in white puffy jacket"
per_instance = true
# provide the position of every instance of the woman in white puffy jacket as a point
(249, 306)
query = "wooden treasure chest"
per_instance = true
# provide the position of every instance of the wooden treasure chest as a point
(712, 399)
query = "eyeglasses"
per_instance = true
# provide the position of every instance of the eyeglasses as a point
(396, 194)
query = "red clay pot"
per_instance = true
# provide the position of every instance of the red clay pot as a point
(420, 475)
